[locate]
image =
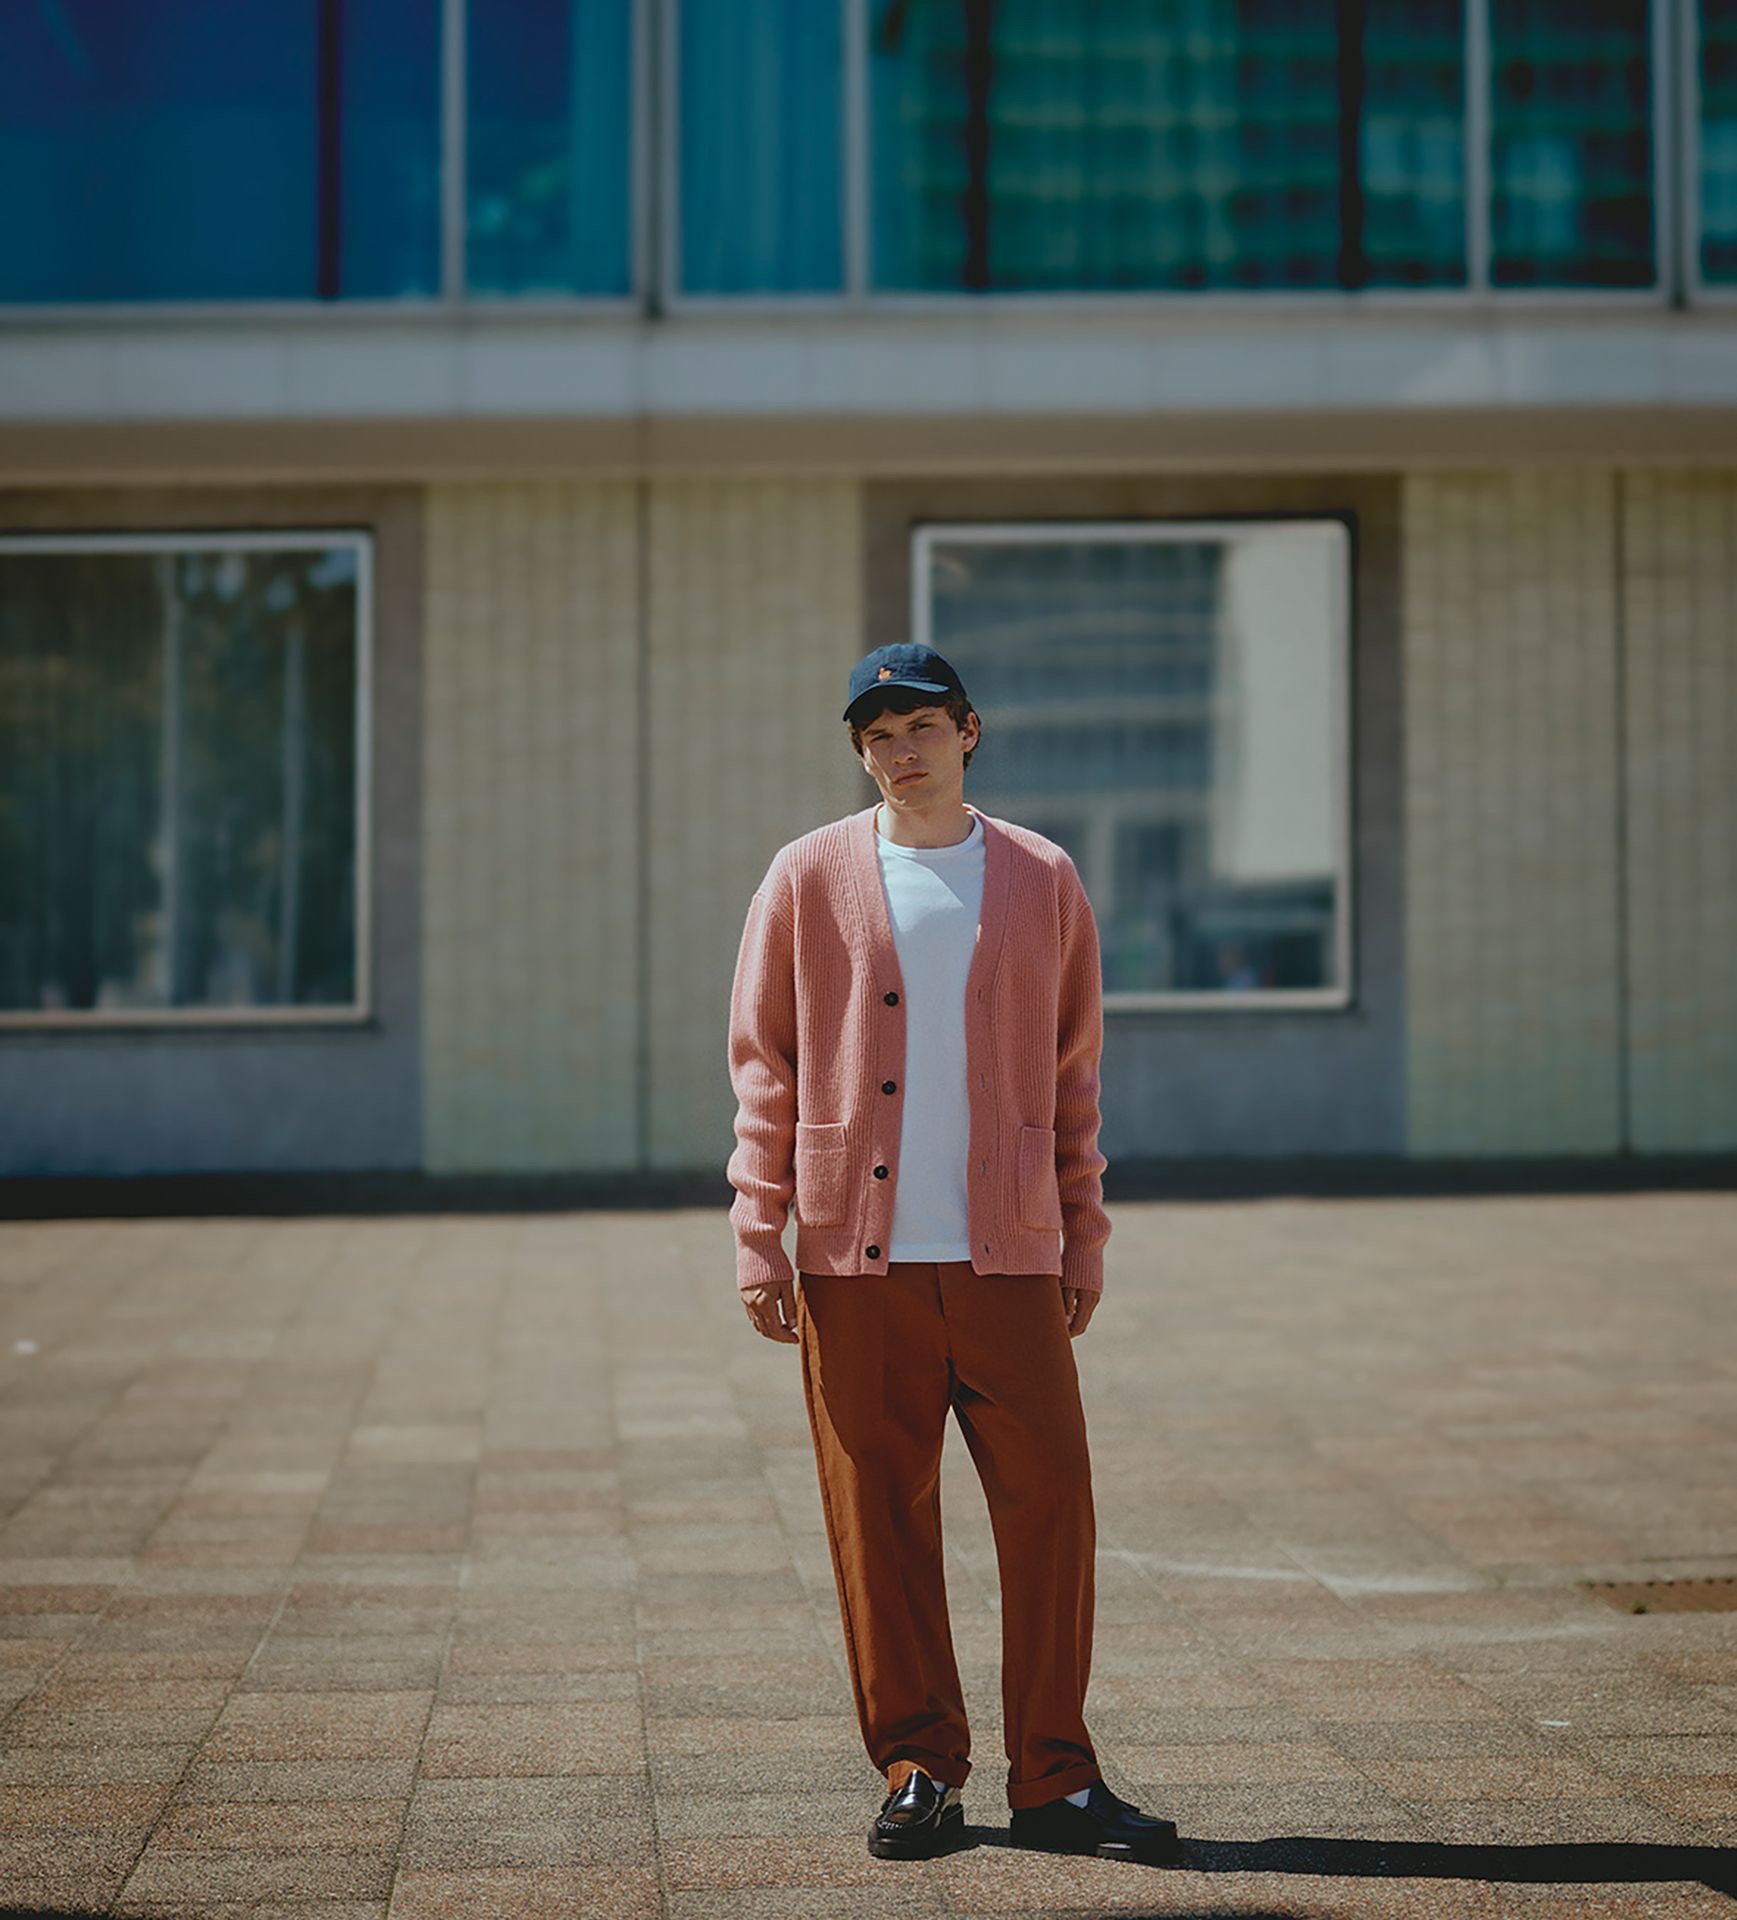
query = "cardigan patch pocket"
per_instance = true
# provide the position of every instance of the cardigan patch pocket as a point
(820, 1174)
(1039, 1194)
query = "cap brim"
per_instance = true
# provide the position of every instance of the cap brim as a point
(922, 686)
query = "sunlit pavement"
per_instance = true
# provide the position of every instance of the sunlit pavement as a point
(473, 1567)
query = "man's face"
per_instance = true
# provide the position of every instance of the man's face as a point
(918, 759)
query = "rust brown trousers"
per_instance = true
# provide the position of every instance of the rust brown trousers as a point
(884, 1357)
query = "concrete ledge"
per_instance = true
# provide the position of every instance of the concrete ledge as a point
(157, 1195)
(37, 455)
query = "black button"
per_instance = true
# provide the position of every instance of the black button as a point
(892, 999)
(874, 1253)
(880, 1173)
(889, 1086)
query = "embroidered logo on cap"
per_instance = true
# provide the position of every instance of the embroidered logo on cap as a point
(886, 673)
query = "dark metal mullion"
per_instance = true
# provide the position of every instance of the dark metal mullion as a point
(1353, 84)
(330, 123)
(979, 77)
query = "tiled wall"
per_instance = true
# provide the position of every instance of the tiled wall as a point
(756, 618)
(1679, 562)
(531, 828)
(634, 692)
(1512, 755)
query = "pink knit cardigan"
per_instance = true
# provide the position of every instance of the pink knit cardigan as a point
(817, 1060)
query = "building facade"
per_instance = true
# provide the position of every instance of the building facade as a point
(449, 459)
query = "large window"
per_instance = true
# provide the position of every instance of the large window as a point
(182, 776)
(1175, 146)
(211, 150)
(1169, 702)
(418, 150)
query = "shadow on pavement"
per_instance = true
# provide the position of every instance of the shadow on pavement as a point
(1613, 1863)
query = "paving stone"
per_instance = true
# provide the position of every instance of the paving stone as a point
(456, 1824)
(548, 1893)
(493, 1741)
(375, 1778)
(319, 1726)
(290, 1826)
(191, 1875)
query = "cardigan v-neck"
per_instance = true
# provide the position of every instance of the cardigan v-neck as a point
(816, 1059)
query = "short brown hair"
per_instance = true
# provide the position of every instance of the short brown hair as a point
(910, 700)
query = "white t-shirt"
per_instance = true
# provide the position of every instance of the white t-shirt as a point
(934, 899)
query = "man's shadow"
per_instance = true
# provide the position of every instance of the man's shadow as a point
(1616, 1862)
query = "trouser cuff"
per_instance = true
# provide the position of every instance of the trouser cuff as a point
(949, 1773)
(1022, 1794)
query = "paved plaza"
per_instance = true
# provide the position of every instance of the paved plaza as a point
(471, 1568)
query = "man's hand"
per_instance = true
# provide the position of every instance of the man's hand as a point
(1081, 1303)
(772, 1309)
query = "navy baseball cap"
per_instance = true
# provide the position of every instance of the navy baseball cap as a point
(905, 664)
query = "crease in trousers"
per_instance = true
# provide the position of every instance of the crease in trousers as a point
(885, 1358)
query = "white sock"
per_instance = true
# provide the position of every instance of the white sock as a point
(1078, 1799)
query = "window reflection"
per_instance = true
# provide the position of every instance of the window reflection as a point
(1165, 705)
(178, 778)
(203, 150)
(1718, 195)
(548, 132)
(1571, 143)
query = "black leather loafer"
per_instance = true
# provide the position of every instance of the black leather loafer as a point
(922, 1819)
(1105, 1825)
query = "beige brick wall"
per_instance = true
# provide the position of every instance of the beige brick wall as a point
(756, 616)
(1512, 816)
(1679, 551)
(530, 827)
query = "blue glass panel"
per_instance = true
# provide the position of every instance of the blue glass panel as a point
(391, 147)
(549, 131)
(761, 146)
(1571, 144)
(1718, 62)
(1412, 143)
(173, 152)
(162, 152)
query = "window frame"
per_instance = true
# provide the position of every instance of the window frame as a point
(454, 300)
(1698, 290)
(1336, 530)
(654, 214)
(859, 295)
(360, 1010)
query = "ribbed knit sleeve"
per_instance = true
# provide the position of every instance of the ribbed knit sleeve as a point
(1079, 1047)
(762, 1048)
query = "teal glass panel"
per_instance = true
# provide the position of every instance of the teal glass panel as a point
(1110, 145)
(178, 778)
(549, 130)
(1411, 143)
(1571, 144)
(390, 148)
(761, 135)
(172, 152)
(1718, 76)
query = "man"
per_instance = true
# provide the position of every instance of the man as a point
(915, 1029)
